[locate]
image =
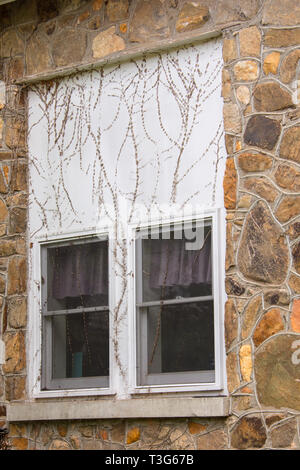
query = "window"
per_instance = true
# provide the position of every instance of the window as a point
(75, 311)
(177, 306)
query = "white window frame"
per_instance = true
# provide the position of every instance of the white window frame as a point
(35, 346)
(131, 388)
(218, 385)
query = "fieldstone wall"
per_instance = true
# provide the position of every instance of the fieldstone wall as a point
(261, 189)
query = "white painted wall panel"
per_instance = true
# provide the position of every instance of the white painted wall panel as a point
(105, 144)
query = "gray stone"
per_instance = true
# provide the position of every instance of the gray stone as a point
(263, 253)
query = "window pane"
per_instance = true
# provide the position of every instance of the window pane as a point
(174, 266)
(180, 339)
(80, 345)
(77, 276)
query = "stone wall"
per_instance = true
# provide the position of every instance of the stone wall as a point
(261, 189)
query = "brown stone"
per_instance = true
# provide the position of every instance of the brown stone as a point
(17, 307)
(231, 323)
(277, 297)
(196, 428)
(289, 207)
(191, 16)
(17, 430)
(290, 144)
(59, 444)
(214, 440)
(241, 403)
(263, 253)
(274, 418)
(15, 388)
(250, 316)
(229, 184)
(17, 220)
(133, 435)
(262, 132)
(230, 254)
(232, 118)
(12, 44)
(250, 41)
(245, 356)
(118, 432)
(288, 177)
(245, 201)
(150, 21)
(15, 356)
(280, 13)
(270, 324)
(282, 37)
(97, 5)
(14, 68)
(19, 177)
(261, 186)
(277, 374)
(228, 11)
(294, 230)
(83, 17)
(37, 55)
(289, 66)
(283, 435)
(254, 162)
(246, 71)
(233, 380)
(94, 23)
(15, 133)
(47, 9)
(180, 440)
(249, 433)
(295, 317)
(229, 143)
(7, 247)
(229, 50)
(271, 63)
(16, 275)
(296, 256)
(69, 47)
(294, 283)
(107, 42)
(70, 5)
(2, 285)
(117, 10)
(75, 441)
(86, 430)
(62, 429)
(270, 96)
(226, 84)
(243, 94)
(19, 443)
(233, 286)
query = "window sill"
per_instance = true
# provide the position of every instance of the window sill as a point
(203, 407)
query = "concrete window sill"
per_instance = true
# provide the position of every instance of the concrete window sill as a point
(114, 409)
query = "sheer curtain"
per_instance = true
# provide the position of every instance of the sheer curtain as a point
(80, 270)
(173, 265)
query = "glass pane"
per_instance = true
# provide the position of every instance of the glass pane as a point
(175, 266)
(180, 338)
(80, 345)
(77, 276)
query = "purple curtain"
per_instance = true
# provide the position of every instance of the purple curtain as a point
(80, 270)
(173, 265)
